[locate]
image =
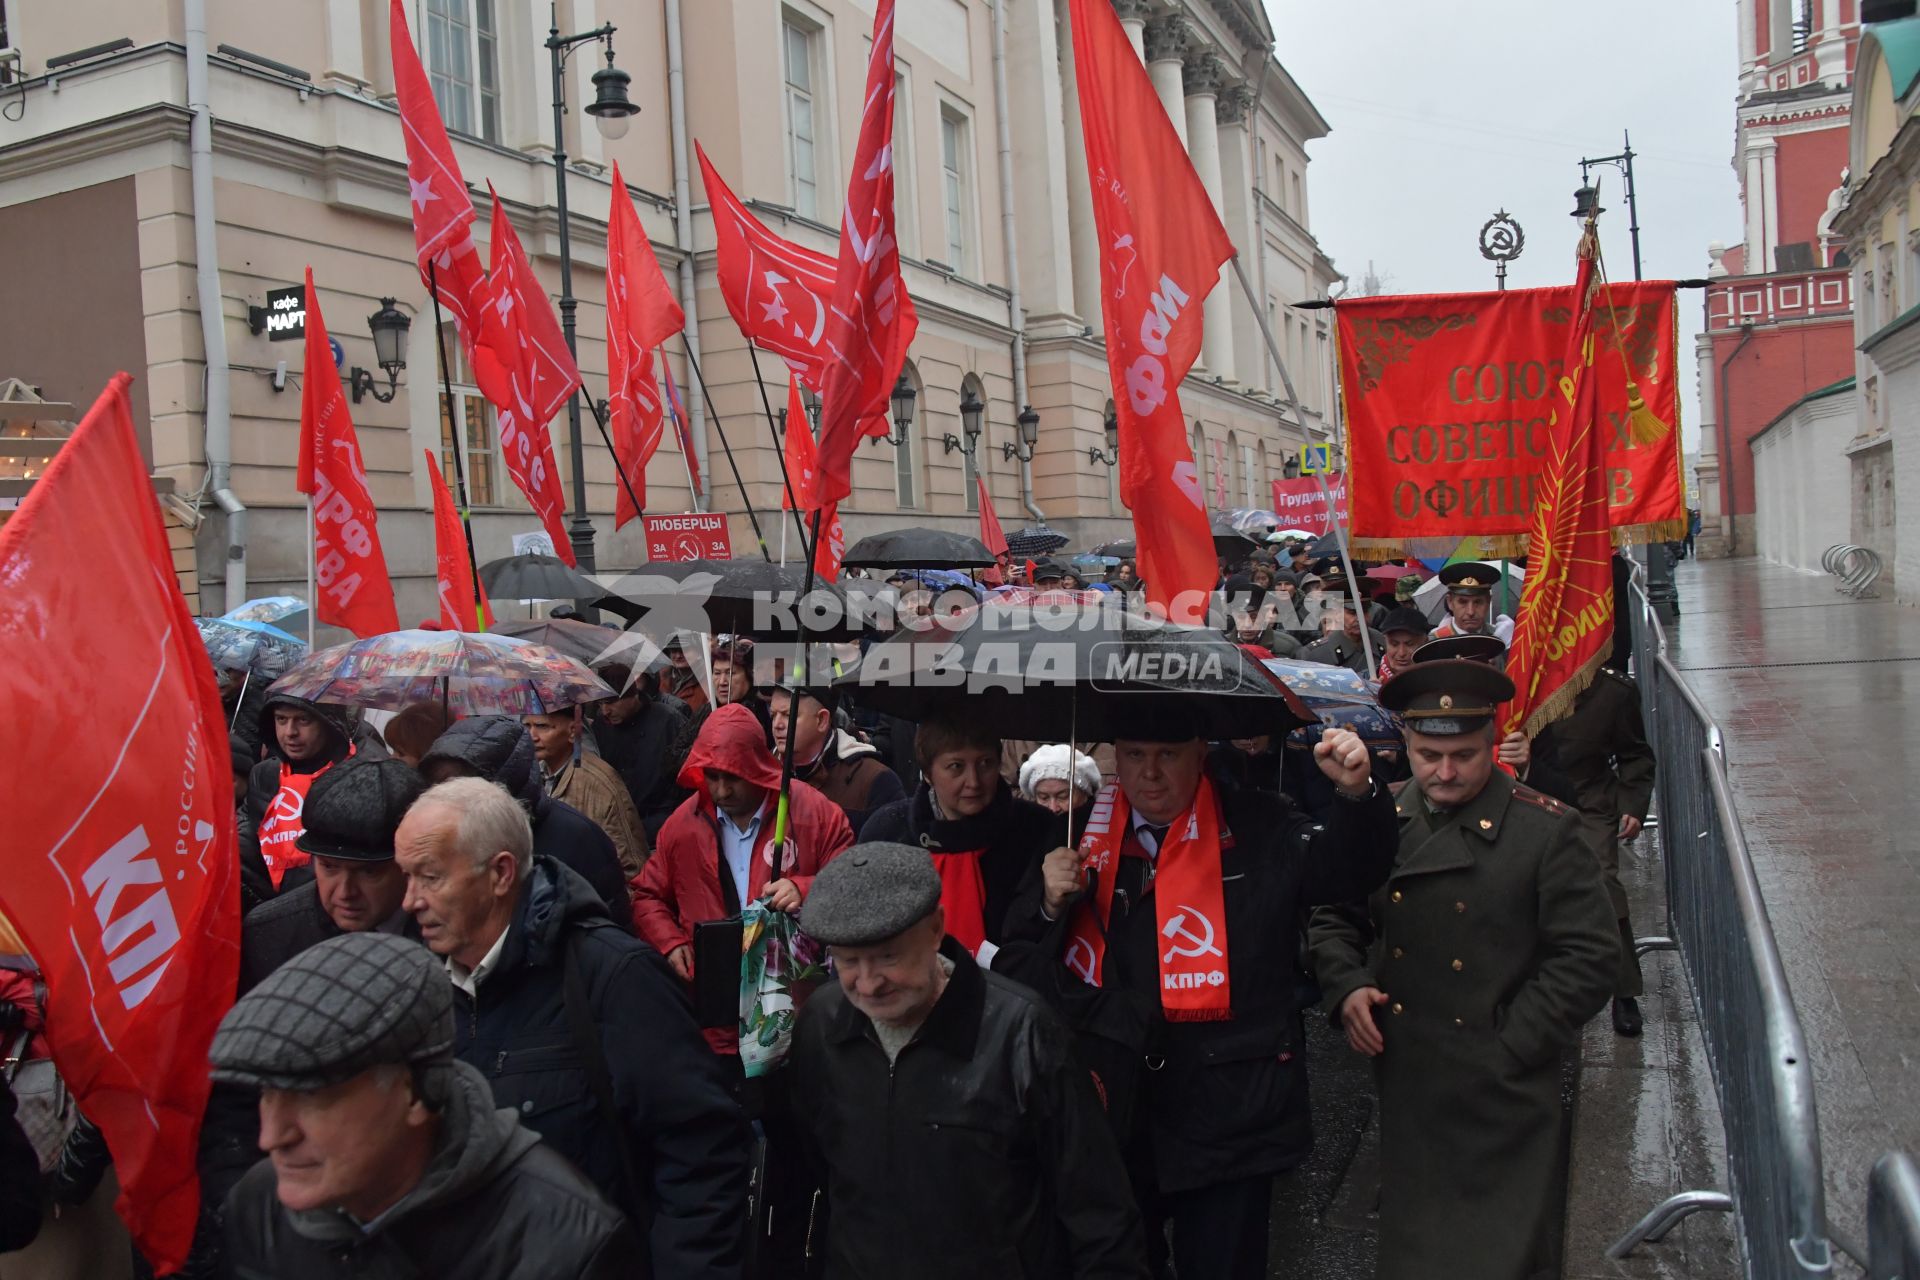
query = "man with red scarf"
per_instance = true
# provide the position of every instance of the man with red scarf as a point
(1178, 919)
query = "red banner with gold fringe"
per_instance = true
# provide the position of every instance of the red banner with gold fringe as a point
(1446, 399)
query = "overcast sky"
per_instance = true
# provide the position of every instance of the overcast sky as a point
(1444, 113)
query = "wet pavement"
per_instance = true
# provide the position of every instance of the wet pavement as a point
(1816, 695)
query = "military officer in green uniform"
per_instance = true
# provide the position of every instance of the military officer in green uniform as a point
(1466, 977)
(1470, 602)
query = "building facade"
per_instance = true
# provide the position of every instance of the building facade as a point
(104, 213)
(1780, 302)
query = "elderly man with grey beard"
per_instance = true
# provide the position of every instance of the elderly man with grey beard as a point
(960, 1138)
(579, 1027)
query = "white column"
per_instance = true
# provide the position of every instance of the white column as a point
(1754, 205)
(1236, 190)
(1770, 199)
(346, 58)
(1042, 169)
(1166, 47)
(1706, 468)
(1202, 77)
(1083, 235)
(1749, 41)
(1133, 20)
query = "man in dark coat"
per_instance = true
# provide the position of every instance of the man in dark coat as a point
(1466, 977)
(19, 1179)
(1196, 896)
(304, 739)
(579, 1027)
(960, 1137)
(499, 749)
(846, 770)
(636, 732)
(1342, 647)
(385, 1157)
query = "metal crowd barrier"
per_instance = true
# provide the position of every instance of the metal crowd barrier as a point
(1893, 1219)
(1858, 568)
(1718, 923)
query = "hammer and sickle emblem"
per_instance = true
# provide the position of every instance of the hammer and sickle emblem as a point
(1079, 958)
(1197, 944)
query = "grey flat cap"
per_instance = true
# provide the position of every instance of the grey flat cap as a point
(355, 808)
(870, 893)
(353, 1002)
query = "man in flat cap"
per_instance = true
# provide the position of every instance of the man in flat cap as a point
(384, 1155)
(1470, 587)
(960, 1137)
(1405, 630)
(1341, 646)
(1465, 978)
(1175, 927)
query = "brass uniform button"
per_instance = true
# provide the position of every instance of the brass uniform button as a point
(1459, 1022)
(1398, 1007)
(1486, 824)
(1459, 908)
(1396, 895)
(1457, 966)
(1397, 953)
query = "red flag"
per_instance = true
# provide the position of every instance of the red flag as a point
(803, 457)
(832, 546)
(681, 429)
(443, 214)
(641, 314)
(1565, 625)
(776, 291)
(991, 535)
(462, 599)
(1161, 249)
(121, 878)
(351, 586)
(871, 321)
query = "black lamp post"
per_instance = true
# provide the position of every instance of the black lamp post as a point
(1291, 467)
(1029, 421)
(1111, 454)
(1587, 198)
(611, 110)
(389, 326)
(972, 413)
(903, 398)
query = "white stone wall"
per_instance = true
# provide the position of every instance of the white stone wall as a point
(1802, 482)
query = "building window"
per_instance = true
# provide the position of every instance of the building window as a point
(1230, 457)
(473, 442)
(803, 161)
(957, 184)
(905, 491)
(1299, 202)
(906, 229)
(463, 65)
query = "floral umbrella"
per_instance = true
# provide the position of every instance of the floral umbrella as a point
(471, 673)
(256, 648)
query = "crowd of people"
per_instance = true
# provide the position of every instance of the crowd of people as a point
(1065, 1031)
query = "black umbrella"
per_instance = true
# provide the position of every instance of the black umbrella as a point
(1229, 541)
(582, 640)
(535, 578)
(1122, 548)
(918, 548)
(1088, 671)
(1035, 540)
(753, 597)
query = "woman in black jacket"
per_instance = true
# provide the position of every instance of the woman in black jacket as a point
(983, 838)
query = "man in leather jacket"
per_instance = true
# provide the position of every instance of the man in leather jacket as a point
(959, 1136)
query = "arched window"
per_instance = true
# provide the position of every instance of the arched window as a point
(1234, 489)
(1262, 482)
(970, 468)
(905, 455)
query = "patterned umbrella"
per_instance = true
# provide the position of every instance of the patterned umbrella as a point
(1338, 697)
(1035, 540)
(289, 613)
(471, 673)
(262, 651)
(1251, 520)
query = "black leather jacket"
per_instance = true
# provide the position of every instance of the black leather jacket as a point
(979, 1151)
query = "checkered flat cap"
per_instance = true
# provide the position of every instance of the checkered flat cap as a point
(350, 1003)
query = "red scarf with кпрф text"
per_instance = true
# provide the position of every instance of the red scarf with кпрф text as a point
(1189, 904)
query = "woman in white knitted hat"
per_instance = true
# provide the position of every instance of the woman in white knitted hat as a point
(1059, 778)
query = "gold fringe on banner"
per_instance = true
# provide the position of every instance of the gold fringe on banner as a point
(1559, 704)
(1505, 546)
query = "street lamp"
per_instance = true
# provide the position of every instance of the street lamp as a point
(1291, 467)
(389, 325)
(903, 398)
(1587, 198)
(971, 413)
(1111, 454)
(1586, 203)
(610, 110)
(1029, 421)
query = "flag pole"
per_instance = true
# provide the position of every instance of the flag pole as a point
(459, 444)
(795, 683)
(681, 434)
(1333, 511)
(639, 507)
(313, 603)
(694, 367)
(793, 502)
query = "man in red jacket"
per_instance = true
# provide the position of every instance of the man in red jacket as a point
(728, 822)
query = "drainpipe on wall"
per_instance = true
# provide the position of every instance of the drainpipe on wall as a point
(219, 435)
(1016, 312)
(683, 226)
(1725, 431)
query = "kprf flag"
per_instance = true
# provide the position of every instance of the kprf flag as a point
(540, 375)
(463, 601)
(443, 216)
(776, 291)
(991, 535)
(830, 546)
(642, 313)
(871, 320)
(122, 877)
(351, 586)
(1565, 625)
(803, 458)
(1161, 246)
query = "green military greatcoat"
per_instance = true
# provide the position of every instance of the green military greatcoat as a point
(1494, 943)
